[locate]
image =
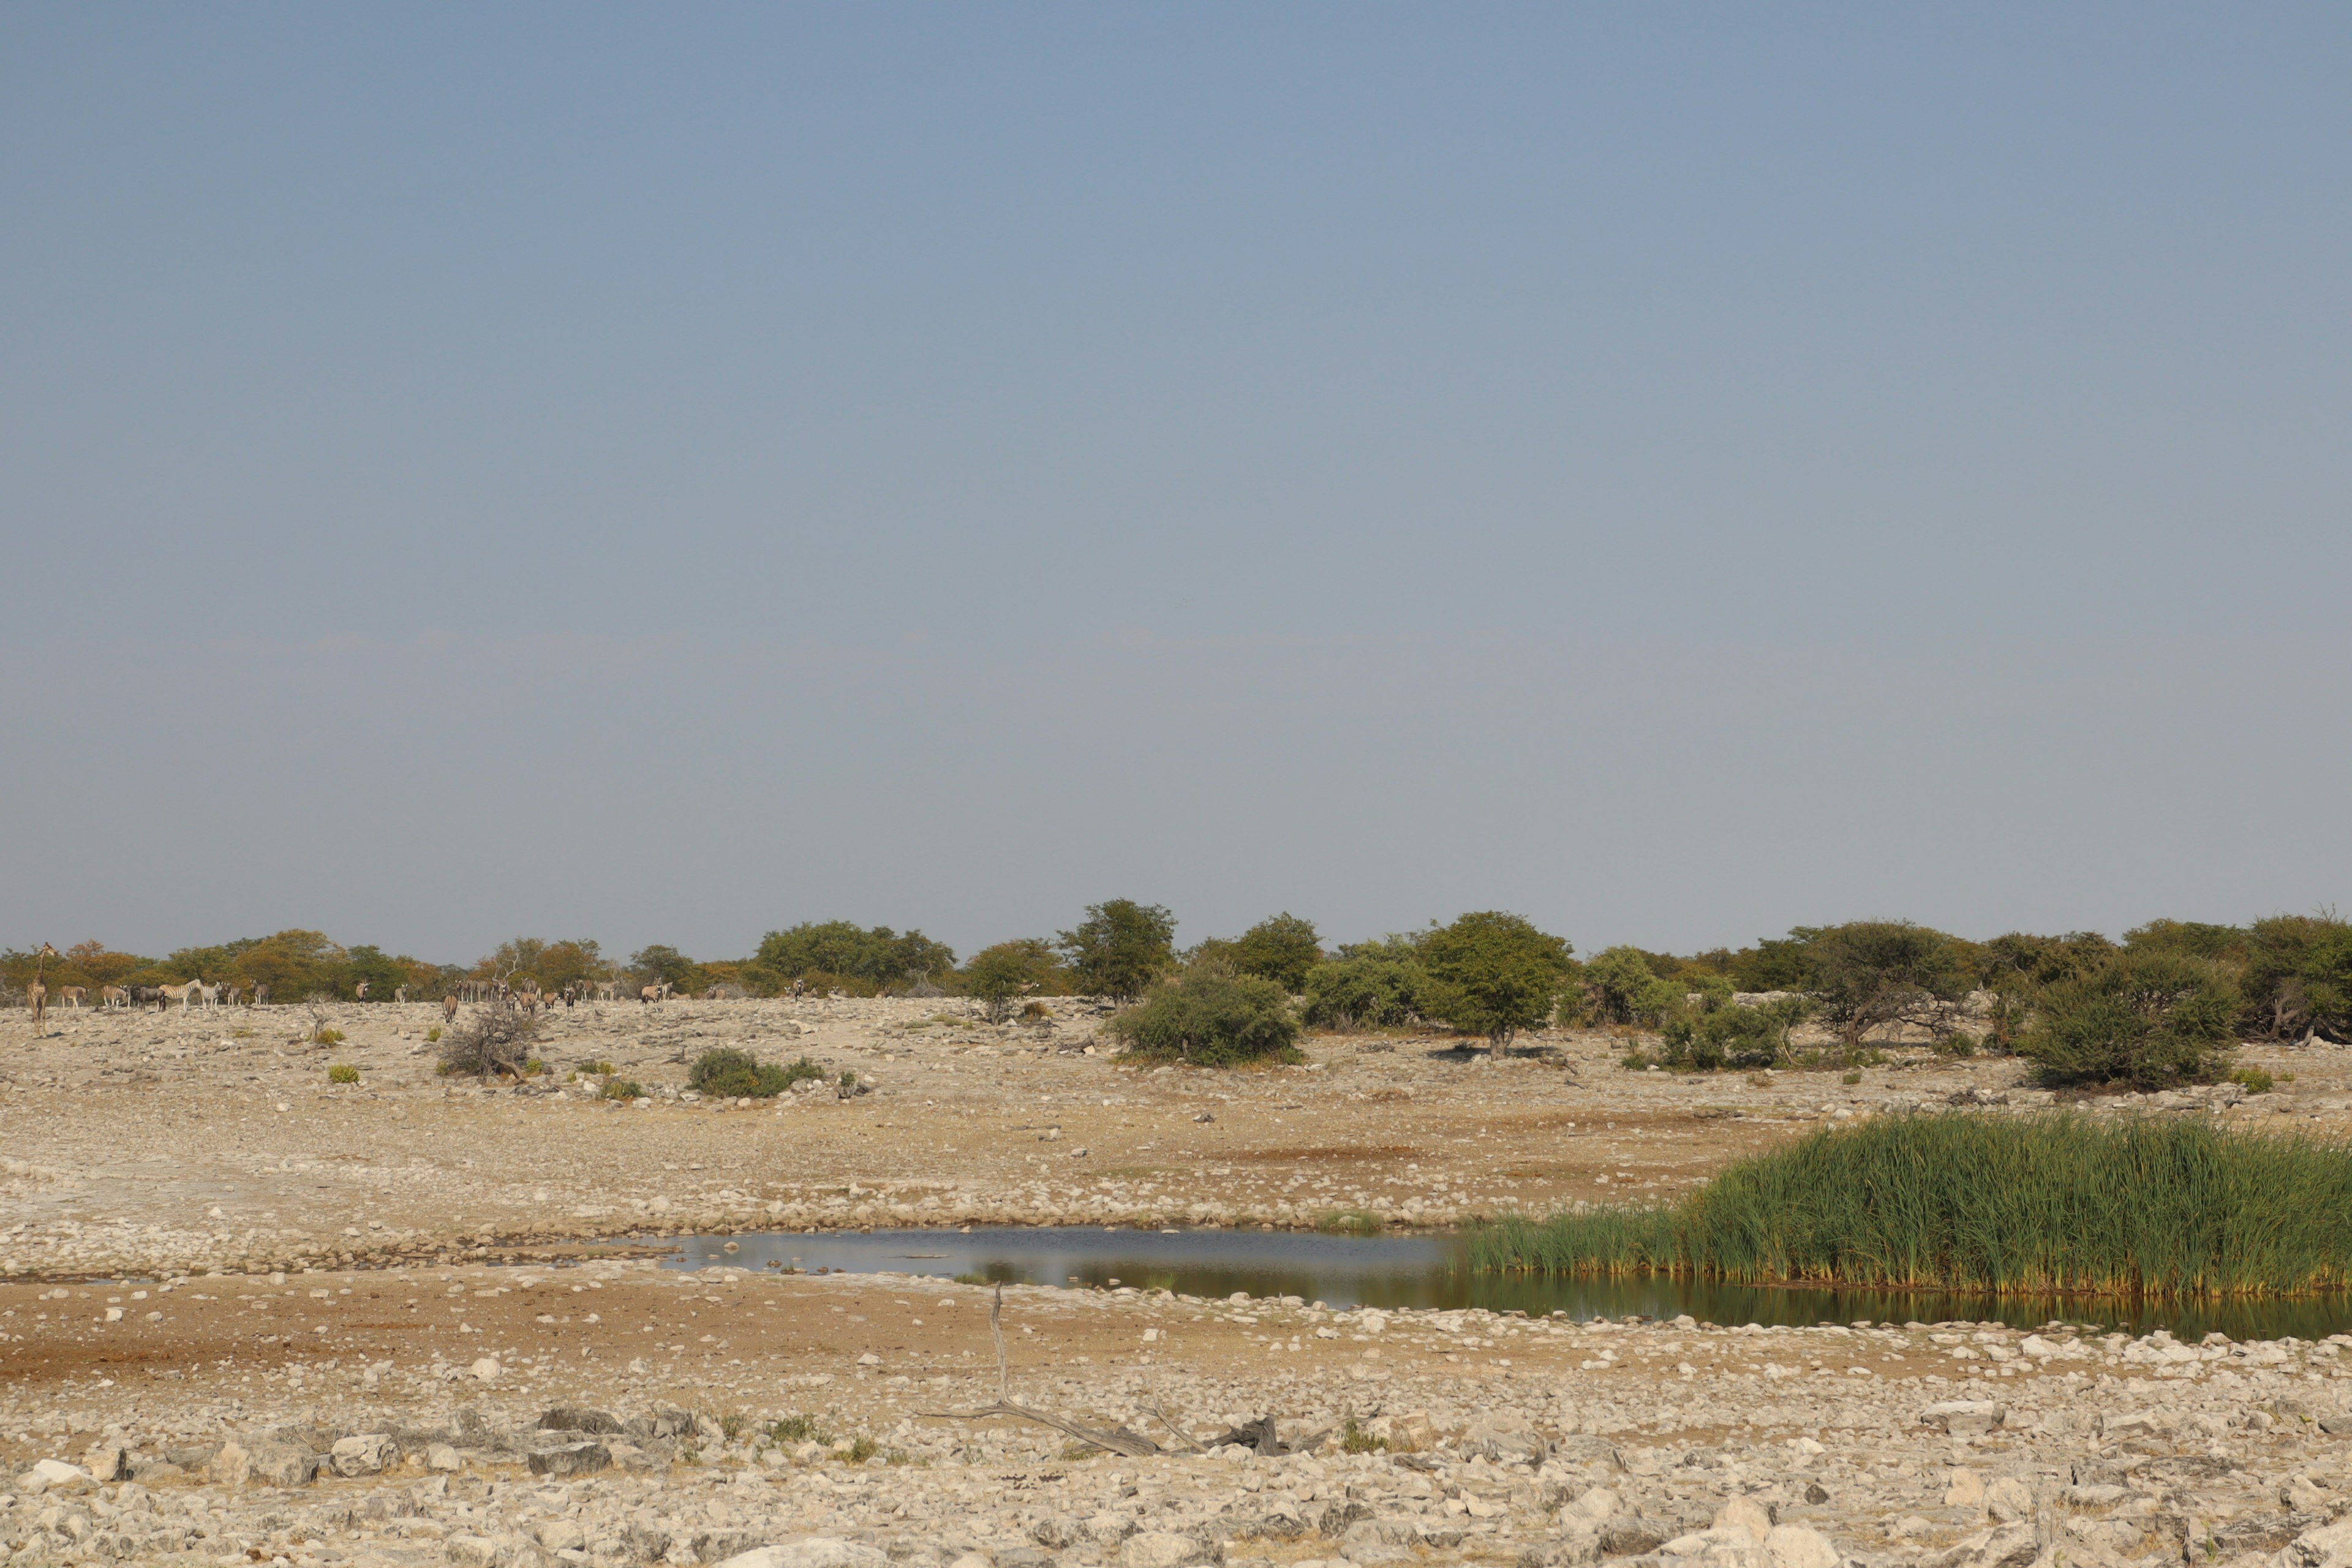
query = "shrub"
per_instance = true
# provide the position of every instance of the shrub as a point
(2299, 977)
(2147, 1019)
(1493, 974)
(493, 1038)
(433, 1036)
(328, 1037)
(997, 975)
(600, 1070)
(728, 1073)
(1704, 1037)
(1872, 974)
(2058, 1201)
(622, 1088)
(342, 1072)
(2254, 1080)
(1354, 1439)
(1211, 1017)
(797, 1430)
(1120, 948)
(1377, 986)
(1622, 988)
(1282, 949)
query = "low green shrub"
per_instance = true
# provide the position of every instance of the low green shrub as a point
(2050, 1203)
(730, 1073)
(1715, 1034)
(433, 1036)
(622, 1088)
(328, 1037)
(1354, 1439)
(1210, 1016)
(797, 1430)
(342, 1072)
(2150, 1020)
(2254, 1080)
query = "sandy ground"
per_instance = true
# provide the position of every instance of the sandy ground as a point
(219, 1266)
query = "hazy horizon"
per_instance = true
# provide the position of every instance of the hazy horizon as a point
(1675, 474)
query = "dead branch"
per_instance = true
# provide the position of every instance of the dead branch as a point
(1118, 1440)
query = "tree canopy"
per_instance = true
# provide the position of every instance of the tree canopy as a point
(1120, 948)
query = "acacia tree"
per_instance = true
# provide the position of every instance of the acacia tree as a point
(1494, 973)
(1870, 974)
(998, 977)
(1120, 948)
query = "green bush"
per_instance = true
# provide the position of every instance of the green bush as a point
(1622, 988)
(797, 1430)
(1704, 1038)
(1210, 1016)
(2147, 1019)
(998, 977)
(622, 1088)
(1377, 986)
(2254, 1080)
(1281, 949)
(2298, 977)
(1493, 974)
(2028, 1206)
(730, 1073)
(1120, 948)
(342, 1072)
(433, 1036)
(1873, 973)
(328, 1037)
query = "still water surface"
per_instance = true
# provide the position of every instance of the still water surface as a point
(1433, 1271)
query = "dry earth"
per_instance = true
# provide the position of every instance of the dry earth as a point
(159, 1168)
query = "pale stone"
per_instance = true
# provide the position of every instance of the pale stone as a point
(1166, 1548)
(1794, 1546)
(809, 1551)
(1741, 1514)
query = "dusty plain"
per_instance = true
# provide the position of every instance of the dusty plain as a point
(248, 1316)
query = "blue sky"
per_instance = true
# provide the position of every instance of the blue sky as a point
(1675, 471)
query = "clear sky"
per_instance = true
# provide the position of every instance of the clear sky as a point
(1675, 471)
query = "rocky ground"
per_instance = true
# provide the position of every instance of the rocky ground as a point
(251, 1317)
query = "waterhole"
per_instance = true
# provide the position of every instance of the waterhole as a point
(1433, 1271)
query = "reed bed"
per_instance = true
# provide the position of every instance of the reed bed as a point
(2054, 1204)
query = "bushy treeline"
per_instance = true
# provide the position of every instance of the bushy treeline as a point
(2157, 1006)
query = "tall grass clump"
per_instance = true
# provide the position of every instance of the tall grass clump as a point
(2052, 1203)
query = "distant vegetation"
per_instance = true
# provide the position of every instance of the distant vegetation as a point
(2159, 1007)
(2047, 1204)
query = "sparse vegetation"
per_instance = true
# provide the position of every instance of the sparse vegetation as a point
(342, 1072)
(328, 1037)
(1717, 1032)
(433, 1036)
(622, 1088)
(2056, 1202)
(1369, 985)
(1354, 1439)
(800, 1428)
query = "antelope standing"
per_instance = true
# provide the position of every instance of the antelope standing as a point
(72, 997)
(360, 994)
(450, 1007)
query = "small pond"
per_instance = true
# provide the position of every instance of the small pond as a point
(1431, 1271)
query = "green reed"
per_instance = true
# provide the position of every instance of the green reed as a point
(2030, 1205)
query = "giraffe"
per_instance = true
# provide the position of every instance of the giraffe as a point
(36, 995)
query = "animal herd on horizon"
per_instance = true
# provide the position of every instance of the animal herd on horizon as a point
(211, 995)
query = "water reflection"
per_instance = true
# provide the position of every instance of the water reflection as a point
(1431, 1271)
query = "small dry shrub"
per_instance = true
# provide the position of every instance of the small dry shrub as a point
(342, 1072)
(494, 1038)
